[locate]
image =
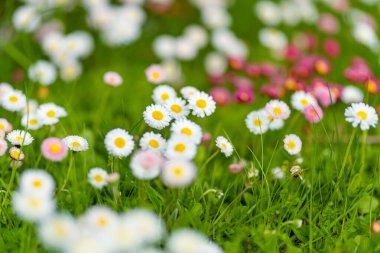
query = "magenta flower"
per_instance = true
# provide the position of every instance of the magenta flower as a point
(322, 66)
(244, 96)
(54, 149)
(252, 69)
(221, 96)
(235, 168)
(236, 63)
(328, 24)
(313, 113)
(331, 47)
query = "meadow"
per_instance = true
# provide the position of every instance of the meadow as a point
(261, 198)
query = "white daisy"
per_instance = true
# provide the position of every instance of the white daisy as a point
(76, 143)
(164, 46)
(277, 109)
(257, 122)
(361, 114)
(4, 89)
(188, 129)
(352, 94)
(177, 108)
(20, 138)
(37, 182)
(189, 241)
(300, 100)
(274, 124)
(202, 104)
(153, 141)
(155, 74)
(224, 145)
(50, 113)
(31, 121)
(163, 93)
(119, 142)
(178, 173)
(5, 125)
(13, 100)
(32, 207)
(273, 38)
(146, 165)
(42, 72)
(292, 144)
(180, 147)
(26, 18)
(188, 91)
(157, 116)
(97, 177)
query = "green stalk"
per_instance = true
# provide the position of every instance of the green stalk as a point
(346, 154)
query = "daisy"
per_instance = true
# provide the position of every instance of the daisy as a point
(153, 141)
(26, 18)
(76, 143)
(54, 149)
(98, 177)
(188, 91)
(361, 114)
(190, 241)
(146, 165)
(3, 147)
(5, 125)
(352, 94)
(16, 154)
(257, 122)
(13, 100)
(188, 129)
(292, 144)
(313, 114)
(277, 109)
(274, 124)
(157, 116)
(32, 207)
(163, 93)
(155, 74)
(201, 104)
(20, 138)
(278, 173)
(31, 121)
(300, 100)
(177, 108)
(178, 173)
(50, 113)
(224, 145)
(42, 72)
(99, 218)
(119, 142)
(37, 181)
(180, 147)
(112, 79)
(4, 89)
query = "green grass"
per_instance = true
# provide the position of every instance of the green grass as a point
(335, 201)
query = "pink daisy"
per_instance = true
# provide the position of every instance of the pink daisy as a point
(54, 149)
(313, 113)
(3, 147)
(16, 154)
(112, 79)
(155, 74)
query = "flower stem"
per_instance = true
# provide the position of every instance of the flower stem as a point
(71, 164)
(346, 154)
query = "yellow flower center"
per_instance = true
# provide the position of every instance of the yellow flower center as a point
(201, 103)
(157, 115)
(178, 171)
(304, 101)
(37, 183)
(34, 203)
(76, 144)
(156, 75)
(55, 148)
(164, 96)
(321, 67)
(291, 144)
(60, 230)
(257, 122)
(102, 221)
(186, 131)
(224, 146)
(2, 127)
(362, 115)
(50, 114)
(154, 143)
(98, 178)
(176, 108)
(19, 138)
(180, 147)
(120, 142)
(33, 122)
(13, 99)
(277, 111)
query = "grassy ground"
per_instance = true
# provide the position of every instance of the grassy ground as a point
(244, 214)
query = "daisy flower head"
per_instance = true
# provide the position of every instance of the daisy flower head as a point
(32, 207)
(119, 142)
(98, 177)
(31, 121)
(99, 218)
(4, 89)
(257, 122)
(277, 109)
(112, 78)
(274, 124)
(13, 100)
(178, 173)
(224, 145)
(76, 143)
(3, 147)
(54, 149)
(188, 129)
(163, 93)
(181, 148)
(188, 91)
(20, 138)
(202, 104)
(177, 108)
(146, 165)
(157, 116)
(313, 113)
(5, 125)
(189, 241)
(300, 100)
(152, 141)
(50, 113)
(38, 182)
(155, 74)
(58, 230)
(361, 114)
(352, 94)
(30, 107)
(292, 144)
(42, 72)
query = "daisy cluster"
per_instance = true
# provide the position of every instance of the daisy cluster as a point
(99, 229)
